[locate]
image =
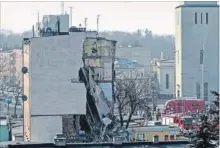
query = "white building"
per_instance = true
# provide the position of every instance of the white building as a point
(197, 26)
(164, 73)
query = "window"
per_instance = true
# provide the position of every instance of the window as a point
(167, 81)
(157, 123)
(201, 18)
(195, 18)
(181, 122)
(198, 90)
(195, 105)
(188, 121)
(179, 104)
(140, 137)
(171, 137)
(178, 93)
(206, 91)
(201, 56)
(156, 138)
(207, 18)
(166, 138)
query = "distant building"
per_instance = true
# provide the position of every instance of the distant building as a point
(11, 64)
(141, 55)
(127, 68)
(5, 63)
(52, 25)
(197, 44)
(18, 53)
(164, 73)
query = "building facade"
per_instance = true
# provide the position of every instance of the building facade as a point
(11, 64)
(197, 49)
(125, 68)
(52, 63)
(163, 70)
(139, 55)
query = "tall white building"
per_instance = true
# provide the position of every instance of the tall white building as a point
(197, 49)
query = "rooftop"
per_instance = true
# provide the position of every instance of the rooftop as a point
(198, 4)
(173, 144)
(156, 128)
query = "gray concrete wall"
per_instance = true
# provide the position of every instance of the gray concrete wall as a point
(54, 62)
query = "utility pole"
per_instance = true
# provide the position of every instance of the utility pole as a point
(202, 70)
(62, 7)
(71, 13)
(98, 16)
(38, 21)
(86, 19)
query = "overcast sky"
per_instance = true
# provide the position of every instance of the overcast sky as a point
(126, 16)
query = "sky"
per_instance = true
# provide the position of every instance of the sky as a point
(126, 16)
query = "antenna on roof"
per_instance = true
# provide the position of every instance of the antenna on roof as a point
(62, 7)
(86, 19)
(38, 20)
(98, 16)
(71, 13)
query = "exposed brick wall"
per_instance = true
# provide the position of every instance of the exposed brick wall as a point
(68, 126)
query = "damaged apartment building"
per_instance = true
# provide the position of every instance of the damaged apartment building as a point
(64, 71)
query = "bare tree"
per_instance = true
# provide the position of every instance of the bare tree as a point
(3, 87)
(132, 93)
(10, 85)
(17, 91)
(4, 80)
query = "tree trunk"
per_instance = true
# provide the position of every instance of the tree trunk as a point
(15, 107)
(129, 118)
(120, 115)
(8, 109)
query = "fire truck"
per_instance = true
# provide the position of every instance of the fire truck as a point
(185, 123)
(184, 105)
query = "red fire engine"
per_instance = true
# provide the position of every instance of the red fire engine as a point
(181, 121)
(184, 105)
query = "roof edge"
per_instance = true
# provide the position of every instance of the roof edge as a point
(196, 5)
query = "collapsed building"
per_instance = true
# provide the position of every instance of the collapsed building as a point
(62, 84)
